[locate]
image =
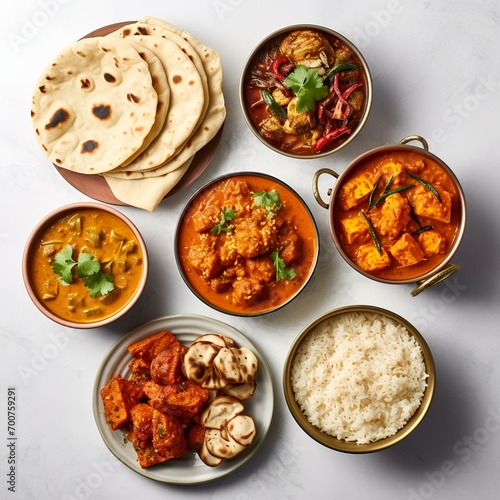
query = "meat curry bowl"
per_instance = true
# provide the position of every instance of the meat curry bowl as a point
(397, 214)
(306, 91)
(246, 244)
(85, 265)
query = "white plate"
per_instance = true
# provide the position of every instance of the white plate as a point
(189, 469)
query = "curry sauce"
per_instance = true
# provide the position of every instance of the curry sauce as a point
(109, 241)
(397, 214)
(236, 266)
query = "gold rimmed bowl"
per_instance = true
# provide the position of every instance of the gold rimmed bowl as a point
(313, 413)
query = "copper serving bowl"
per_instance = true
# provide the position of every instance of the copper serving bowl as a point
(431, 270)
(293, 144)
(220, 268)
(351, 446)
(98, 232)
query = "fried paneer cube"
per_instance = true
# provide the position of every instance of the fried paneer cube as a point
(166, 367)
(407, 251)
(431, 242)
(169, 440)
(141, 433)
(426, 204)
(184, 399)
(140, 370)
(355, 230)
(355, 191)
(152, 345)
(395, 215)
(370, 259)
(118, 397)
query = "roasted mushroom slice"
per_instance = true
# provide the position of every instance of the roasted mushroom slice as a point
(240, 391)
(215, 338)
(237, 366)
(207, 457)
(220, 411)
(198, 365)
(220, 447)
(242, 429)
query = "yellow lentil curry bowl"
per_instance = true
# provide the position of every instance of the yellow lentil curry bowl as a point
(85, 265)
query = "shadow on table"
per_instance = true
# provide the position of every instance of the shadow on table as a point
(443, 439)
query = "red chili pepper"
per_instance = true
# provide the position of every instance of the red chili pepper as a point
(326, 139)
(276, 67)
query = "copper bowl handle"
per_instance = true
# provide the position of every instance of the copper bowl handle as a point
(436, 278)
(315, 188)
(418, 138)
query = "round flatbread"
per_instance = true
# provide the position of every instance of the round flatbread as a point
(94, 105)
(215, 114)
(187, 103)
(160, 84)
(147, 192)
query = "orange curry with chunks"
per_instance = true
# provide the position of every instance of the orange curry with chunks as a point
(247, 244)
(103, 238)
(396, 215)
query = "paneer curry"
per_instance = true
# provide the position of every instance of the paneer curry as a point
(86, 265)
(305, 92)
(246, 244)
(396, 214)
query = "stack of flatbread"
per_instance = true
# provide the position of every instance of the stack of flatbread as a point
(133, 106)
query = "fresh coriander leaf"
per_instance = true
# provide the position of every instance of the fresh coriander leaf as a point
(307, 85)
(99, 284)
(282, 272)
(87, 265)
(268, 200)
(63, 264)
(226, 215)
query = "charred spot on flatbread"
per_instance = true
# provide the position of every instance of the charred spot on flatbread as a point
(109, 78)
(133, 98)
(89, 146)
(102, 111)
(59, 117)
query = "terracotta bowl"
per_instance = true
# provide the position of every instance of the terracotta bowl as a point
(255, 110)
(102, 229)
(352, 446)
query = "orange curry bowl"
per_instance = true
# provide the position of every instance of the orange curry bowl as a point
(246, 244)
(85, 265)
(306, 91)
(397, 214)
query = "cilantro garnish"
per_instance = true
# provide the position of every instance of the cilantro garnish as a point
(282, 272)
(226, 215)
(87, 268)
(99, 284)
(268, 200)
(307, 85)
(63, 264)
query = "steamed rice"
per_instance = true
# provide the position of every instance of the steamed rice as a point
(359, 376)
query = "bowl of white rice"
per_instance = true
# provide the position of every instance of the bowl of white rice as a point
(359, 379)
